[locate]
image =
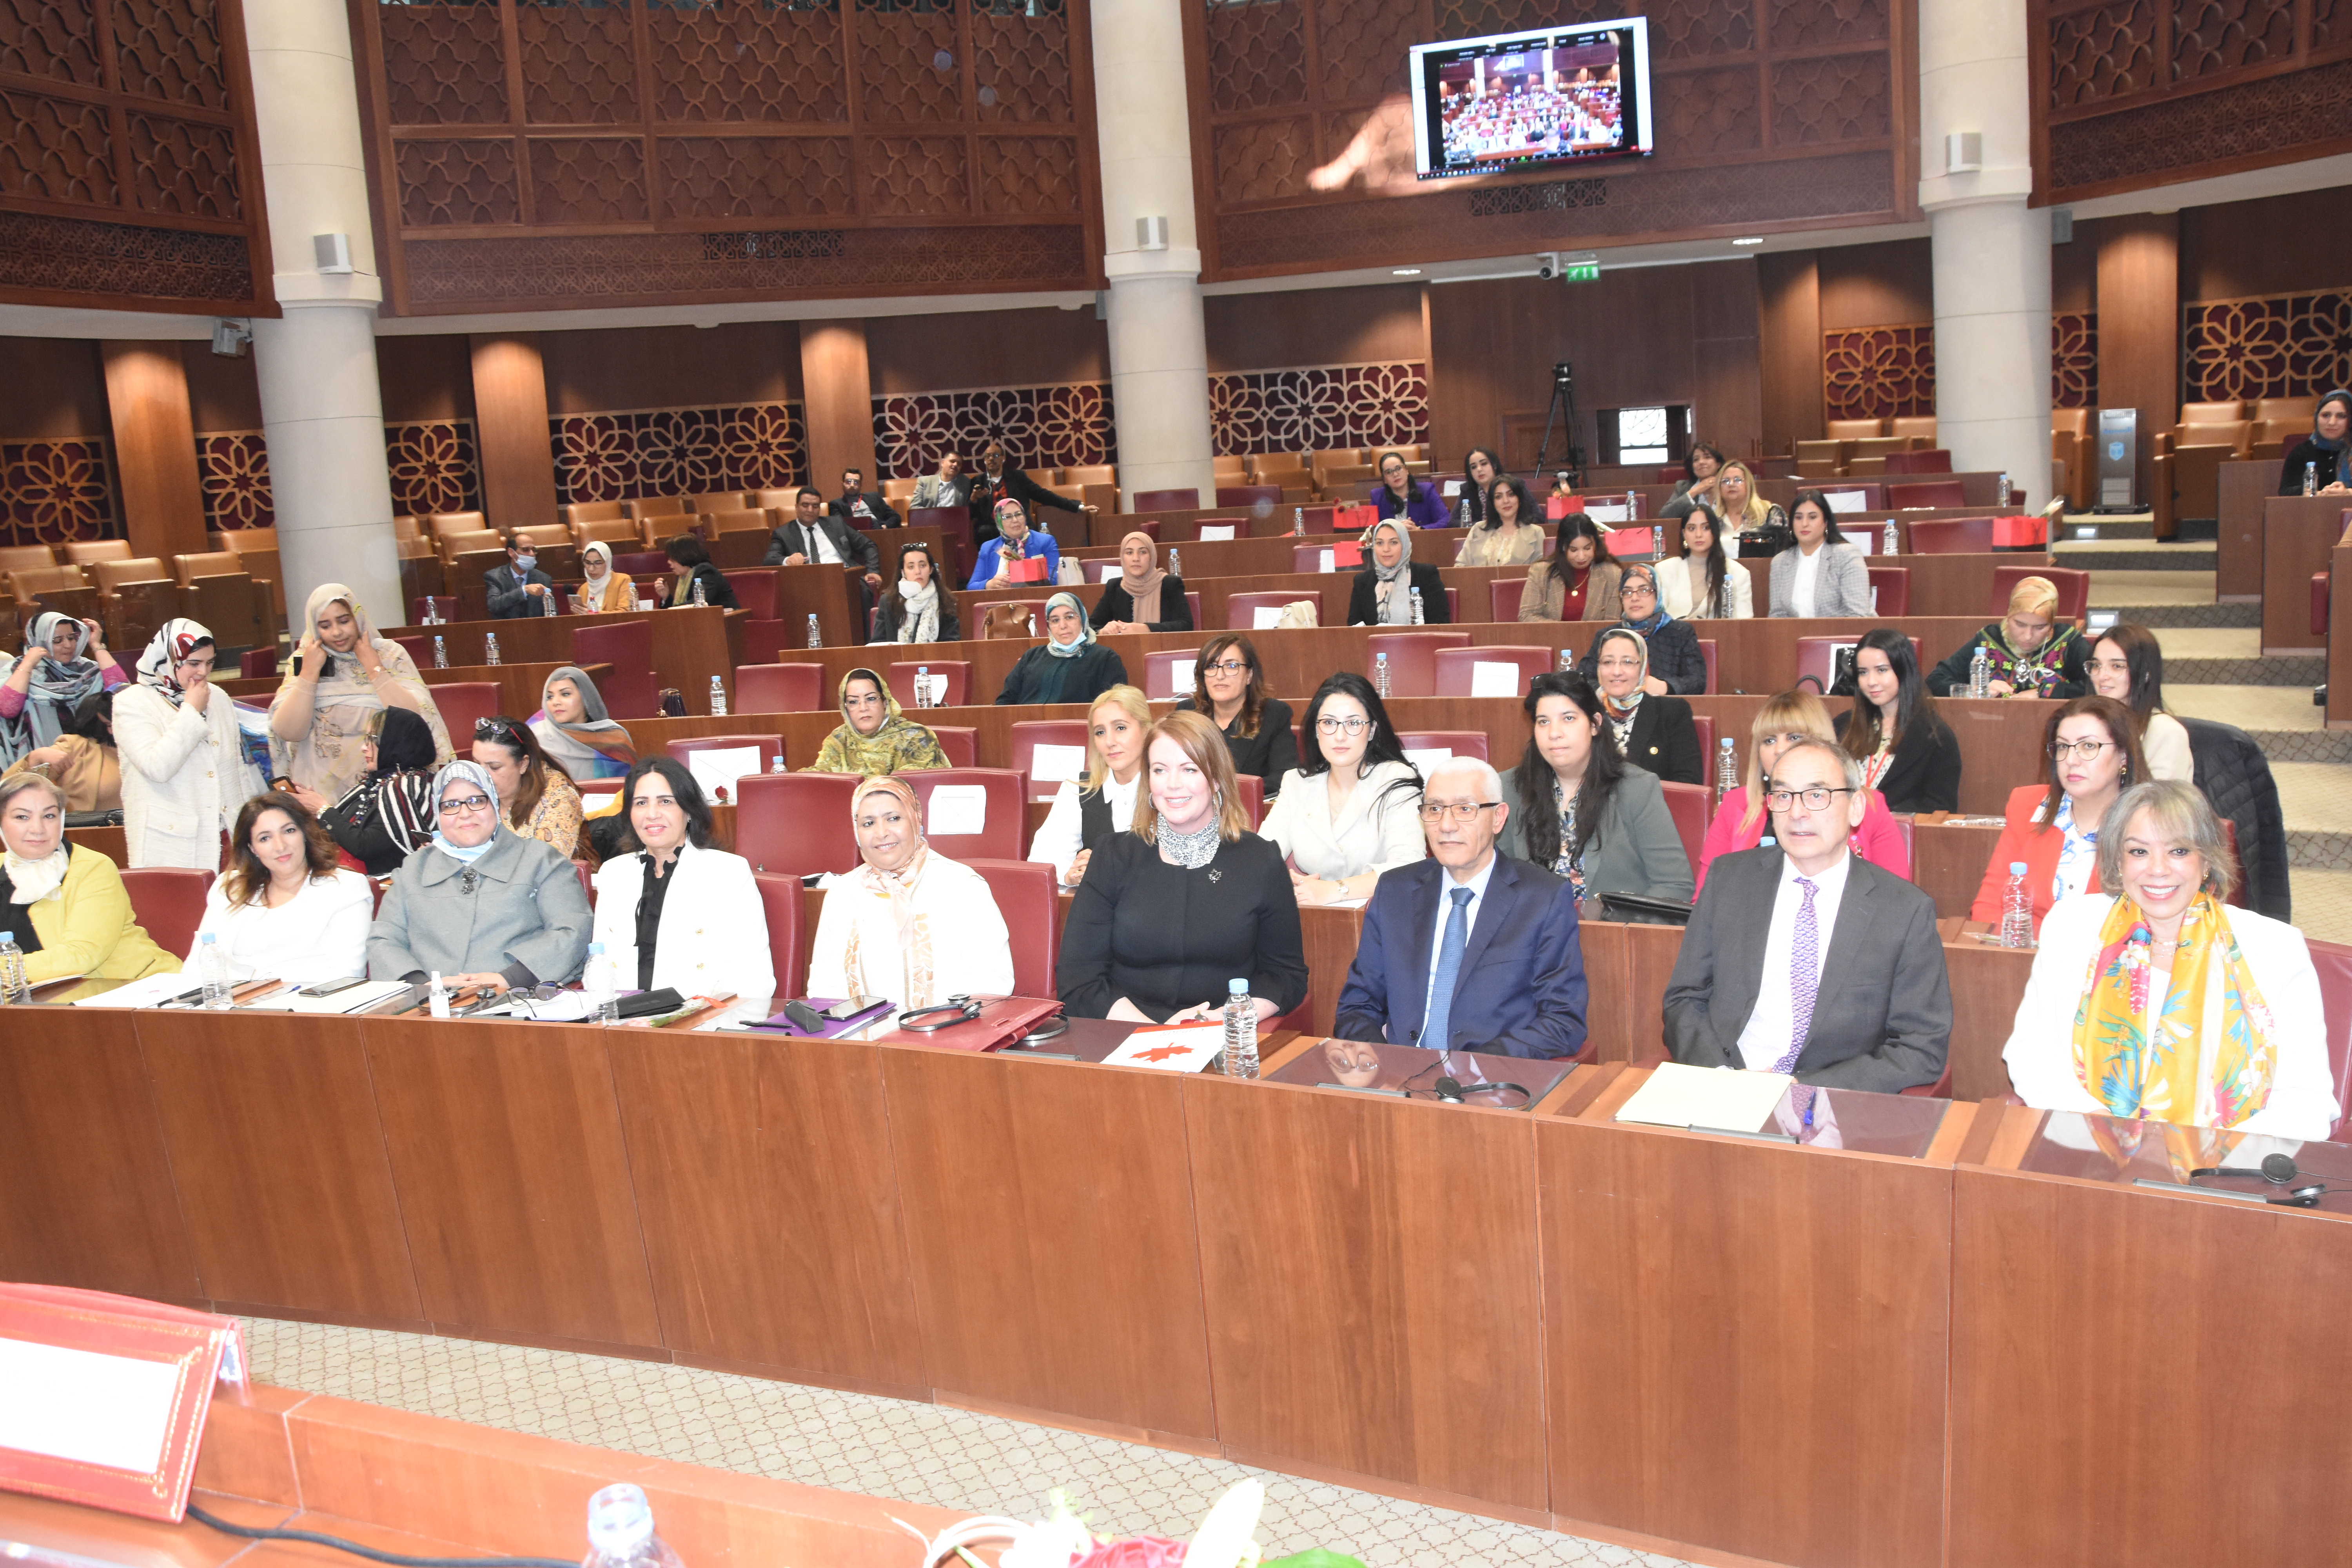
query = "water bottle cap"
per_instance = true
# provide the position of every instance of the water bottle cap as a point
(207, 938)
(1237, 988)
(594, 947)
(8, 936)
(2017, 867)
(619, 1521)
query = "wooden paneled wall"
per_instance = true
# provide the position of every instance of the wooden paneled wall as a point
(1381, 324)
(154, 448)
(2139, 325)
(838, 386)
(1047, 347)
(518, 456)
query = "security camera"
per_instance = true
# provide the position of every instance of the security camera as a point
(1548, 265)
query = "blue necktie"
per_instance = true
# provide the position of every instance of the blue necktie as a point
(1449, 967)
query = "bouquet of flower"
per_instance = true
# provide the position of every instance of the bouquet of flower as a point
(1226, 1539)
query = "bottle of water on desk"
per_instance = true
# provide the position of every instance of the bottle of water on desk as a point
(816, 637)
(13, 984)
(436, 997)
(1297, 520)
(1567, 661)
(2016, 910)
(778, 765)
(1657, 542)
(1894, 539)
(212, 970)
(1241, 1030)
(1419, 617)
(717, 699)
(490, 648)
(621, 1532)
(922, 686)
(1726, 770)
(1175, 561)
(1380, 676)
(2311, 479)
(1462, 516)
(700, 600)
(440, 651)
(1981, 672)
(596, 981)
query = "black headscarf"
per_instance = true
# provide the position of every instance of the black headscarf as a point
(404, 745)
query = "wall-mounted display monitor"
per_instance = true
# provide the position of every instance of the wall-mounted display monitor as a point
(1531, 99)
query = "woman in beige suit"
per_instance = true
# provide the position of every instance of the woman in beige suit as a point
(1577, 582)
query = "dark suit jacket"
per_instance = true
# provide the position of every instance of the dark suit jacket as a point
(507, 600)
(1924, 774)
(1364, 604)
(1664, 740)
(855, 546)
(1521, 988)
(885, 516)
(1882, 1017)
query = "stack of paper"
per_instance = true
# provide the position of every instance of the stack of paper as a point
(1184, 1047)
(1680, 1096)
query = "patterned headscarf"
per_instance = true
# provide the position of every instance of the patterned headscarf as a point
(465, 770)
(2150, 1069)
(897, 887)
(175, 641)
(58, 687)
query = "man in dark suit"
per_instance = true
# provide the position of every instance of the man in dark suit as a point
(1468, 950)
(519, 588)
(815, 538)
(858, 508)
(1803, 957)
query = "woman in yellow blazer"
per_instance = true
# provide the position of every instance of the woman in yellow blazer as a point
(65, 907)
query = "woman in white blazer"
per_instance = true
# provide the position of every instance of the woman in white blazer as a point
(1687, 582)
(670, 909)
(184, 776)
(284, 910)
(1351, 809)
(1821, 575)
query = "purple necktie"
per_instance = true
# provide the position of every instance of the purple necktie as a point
(1805, 977)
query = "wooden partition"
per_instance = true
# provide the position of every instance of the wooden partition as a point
(2339, 639)
(2246, 490)
(2299, 535)
(690, 645)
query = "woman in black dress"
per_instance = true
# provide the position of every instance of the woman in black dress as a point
(1908, 755)
(1654, 730)
(1231, 690)
(389, 814)
(1142, 598)
(691, 559)
(1071, 666)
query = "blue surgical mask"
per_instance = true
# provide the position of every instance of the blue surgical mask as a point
(526, 562)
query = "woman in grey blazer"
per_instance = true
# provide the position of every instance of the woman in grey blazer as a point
(1821, 575)
(1581, 809)
(479, 905)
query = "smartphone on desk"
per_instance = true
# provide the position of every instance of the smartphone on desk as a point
(329, 987)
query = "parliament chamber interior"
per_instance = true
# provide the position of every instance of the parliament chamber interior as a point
(1459, 782)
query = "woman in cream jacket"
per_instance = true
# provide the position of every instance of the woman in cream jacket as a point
(184, 776)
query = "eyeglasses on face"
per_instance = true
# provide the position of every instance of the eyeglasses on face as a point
(1226, 667)
(1329, 725)
(1815, 798)
(2086, 750)
(1455, 810)
(464, 804)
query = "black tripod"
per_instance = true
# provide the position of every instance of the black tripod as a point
(1562, 415)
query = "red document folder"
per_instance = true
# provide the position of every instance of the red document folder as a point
(121, 1389)
(1028, 569)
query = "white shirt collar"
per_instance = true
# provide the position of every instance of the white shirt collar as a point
(1477, 884)
(1831, 881)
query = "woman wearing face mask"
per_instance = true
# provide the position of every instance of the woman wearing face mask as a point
(1071, 666)
(186, 778)
(917, 607)
(389, 814)
(480, 906)
(910, 924)
(873, 737)
(602, 588)
(2090, 755)
(1652, 729)
(1352, 809)
(1578, 582)
(65, 663)
(343, 672)
(1908, 755)
(1699, 485)
(1511, 535)
(1672, 663)
(1480, 469)
(1086, 811)
(672, 910)
(1141, 598)
(1822, 573)
(2322, 451)
(1387, 586)
(1188, 901)
(535, 796)
(1740, 821)
(65, 907)
(1580, 809)
(2028, 652)
(2127, 664)
(283, 909)
(1231, 693)
(1702, 583)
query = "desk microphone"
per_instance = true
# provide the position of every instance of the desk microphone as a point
(2278, 1169)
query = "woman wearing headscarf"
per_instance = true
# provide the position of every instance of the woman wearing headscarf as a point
(1070, 667)
(577, 731)
(1141, 598)
(184, 776)
(1653, 730)
(343, 670)
(480, 906)
(65, 907)
(82, 761)
(910, 924)
(2322, 451)
(671, 909)
(917, 607)
(1671, 660)
(874, 738)
(64, 663)
(388, 815)
(1384, 589)
(602, 588)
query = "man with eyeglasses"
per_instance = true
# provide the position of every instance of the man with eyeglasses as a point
(1804, 958)
(1469, 950)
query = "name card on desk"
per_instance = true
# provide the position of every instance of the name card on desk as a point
(717, 769)
(1846, 500)
(1265, 616)
(1607, 511)
(1492, 678)
(958, 811)
(1183, 674)
(1183, 1047)
(1706, 1098)
(1426, 758)
(1052, 765)
(1216, 530)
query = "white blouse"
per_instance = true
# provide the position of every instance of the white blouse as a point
(1682, 583)
(1376, 830)
(1801, 591)
(1058, 837)
(958, 947)
(320, 934)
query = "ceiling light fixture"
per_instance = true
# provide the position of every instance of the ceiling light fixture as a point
(1750, 239)
(1405, 272)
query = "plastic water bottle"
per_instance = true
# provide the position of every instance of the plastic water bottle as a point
(778, 765)
(1380, 676)
(596, 981)
(490, 649)
(2004, 486)
(1657, 542)
(2016, 910)
(1726, 769)
(1418, 616)
(700, 600)
(816, 638)
(1298, 520)
(1981, 672)
(1894, 539)
(440, 651)
(621, 1532)
(1462, 516)
(211, 969)
(922, 686)
(14, 987)
(547, 603)
(1175, 561)
(1632, 505)
(2311, 479)
(436, 999)
(717, 699)
(1241, 1030)
(1567, 661)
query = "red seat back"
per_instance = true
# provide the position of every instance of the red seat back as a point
(1817, 656)
(958, 743)
(1171, 500)
(755, 591)
(1456, 667)
(1460, 742)
(1004, 831)
(419, 645)
(255, 663)
(1704, 725)
(2073, 589)
(901, 677)
(1030, 733)
(168, 902)
(1926, 493)
(1148, 526)
(1252, 794)
(1689, 803)
(763, 641)
(461, 703)
(1159, 672)
(1412, 659)
(1935, 460)
(1241, 609)
(796, 824)
(2334, 962)
(1248, 495)
(1029, 902)
(1453, 606)
(1192, 603)
(787, 910)
(770, 748)
(632, 691)
(779, 688)
(1503, 595)
(1950, 536)
(642, 563)
(1891, 585)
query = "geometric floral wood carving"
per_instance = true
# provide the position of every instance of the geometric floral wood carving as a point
(1041, 426)
(53, 491)
(434, 466)
(1879, 372)
(233, 467)
(678, 451)
(1314, 407)
(2074, 360)
(2282, 345)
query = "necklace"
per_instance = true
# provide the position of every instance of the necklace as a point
(1190, 850)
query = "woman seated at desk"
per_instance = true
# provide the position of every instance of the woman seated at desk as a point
(1351, 810)
(1908, 755)
(83, 761)
(1511, 533)
(920, 606)
(671, 911)
(910, 924)
(1229, 689)
(577, 731)
(1704, 583)
(2126, 663)
(65, 907)
(1141, 598)
(1390, 583)
(1654, 730)
(1188, 901)
(2159, 1002)
(388, 815)
(537, 798)
(1580, 809)
(2090, 756)
(1741, 820)
(690, 559)
(1822, 574)
(1577, 582)
(1400, 495)
(1087, 810)
(2024, 657)
(480, 906)
(2319, 456)
(601, 589)
(1672, 663)
(874, 736)
(284, 910)
(1071, 667)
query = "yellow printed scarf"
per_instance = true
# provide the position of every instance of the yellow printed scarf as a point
(2151, 1073)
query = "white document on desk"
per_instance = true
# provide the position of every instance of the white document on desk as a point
(1728, 1101)
(1265, 616)
(1185, 1048)
(358, 999)
(1846, 500)
(933, 688)
(1216, 530)
(150, 991)
(958, 811)
(717, 769)
(1492, 678)
(1052, 765)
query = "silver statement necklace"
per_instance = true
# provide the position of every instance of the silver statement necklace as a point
(1189, 850)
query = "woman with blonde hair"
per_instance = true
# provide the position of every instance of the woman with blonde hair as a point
(2026, 656)
(1743, 506)
(1091, 808)
(343, 670)
(1186, 903)
(911, 924)
(1741, 820)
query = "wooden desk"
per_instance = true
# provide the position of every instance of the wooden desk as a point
(2299, 535)
(690, 645)
(1947, 861)
(2245, 489)
(2339, 639)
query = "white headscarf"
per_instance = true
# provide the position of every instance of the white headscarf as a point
(1395, 582)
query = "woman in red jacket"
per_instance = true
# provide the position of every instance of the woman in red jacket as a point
(2090, 755)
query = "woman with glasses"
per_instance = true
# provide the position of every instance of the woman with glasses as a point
(1390, 583)
(1908, 755)
(1672, 664)
(2026, 657)
(2127, 664)
(1653, 730)
(1186, 903)
(874, 736)
(1089, 809)
(479, 907)
(1581, 809)
(1400, 495)
(671, 909)
(689, 561)
(1741, 823)
(1229, 691)
(1351, 809)
(2090, 756)
(537, 798)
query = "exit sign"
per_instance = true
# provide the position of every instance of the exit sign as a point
(1580, 273)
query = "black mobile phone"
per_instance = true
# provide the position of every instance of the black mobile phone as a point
(851, 1006)
(329, 987)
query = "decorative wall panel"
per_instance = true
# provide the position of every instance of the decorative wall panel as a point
(1320, 407)
(2282, 345)
(1041, 426)
(1021, 63)
(1879, 372)
(757, 176)
(53, 491)
(232, 466)
(436, 466)
(2073, 360)
(678, 451)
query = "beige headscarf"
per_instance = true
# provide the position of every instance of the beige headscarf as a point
(914, 954)
(601, 593)
(326, 757)
(1143, 592)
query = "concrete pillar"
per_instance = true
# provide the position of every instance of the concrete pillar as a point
(1991, 252)
(1159, 338)
(322, 406)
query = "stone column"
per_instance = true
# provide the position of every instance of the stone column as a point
(1991, 252)
(322, 406)
(1159, 339)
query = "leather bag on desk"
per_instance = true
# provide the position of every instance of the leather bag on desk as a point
(1003, 1021)
(1005, 621)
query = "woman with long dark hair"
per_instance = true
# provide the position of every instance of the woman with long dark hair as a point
(1578, 582)
(1697, 487)
(1822, 573)
(2127, 664)
(1702, 582)
(1351, 809)
(389, 814)
(1578, 809)
(284, 910)
(1908, 755)
(1231, 690)
(1480, 468)
(1512, 534)
(674, 908)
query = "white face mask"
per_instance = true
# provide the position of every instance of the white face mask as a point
(526, 562)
